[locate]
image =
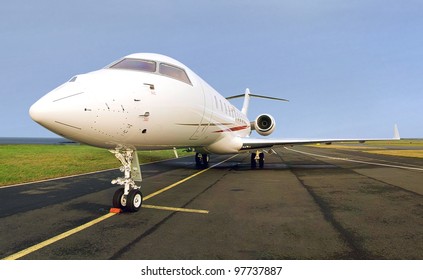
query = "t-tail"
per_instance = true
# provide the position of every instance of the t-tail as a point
(247, 95)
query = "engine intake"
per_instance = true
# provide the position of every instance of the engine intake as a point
(264, 124)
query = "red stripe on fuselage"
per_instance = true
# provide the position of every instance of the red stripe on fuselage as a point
(236, 128)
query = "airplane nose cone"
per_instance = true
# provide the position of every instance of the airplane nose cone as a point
(59, 110)
(35, 112)
(48, 113)
(38, 112)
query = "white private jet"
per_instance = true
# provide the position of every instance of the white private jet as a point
(148, 101)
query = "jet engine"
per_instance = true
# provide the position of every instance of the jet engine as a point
(264, 124)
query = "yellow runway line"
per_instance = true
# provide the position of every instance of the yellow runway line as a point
(102, 218)
(184, 180)
(57, 238)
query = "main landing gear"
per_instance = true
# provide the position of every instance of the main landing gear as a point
(202, 160)
(257, 157)
(129, 196)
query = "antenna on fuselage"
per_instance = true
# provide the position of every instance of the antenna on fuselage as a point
(247, 95)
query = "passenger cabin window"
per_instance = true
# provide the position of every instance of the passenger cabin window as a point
(174, 72)
(135, 64)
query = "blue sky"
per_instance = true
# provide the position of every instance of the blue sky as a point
(349, 68)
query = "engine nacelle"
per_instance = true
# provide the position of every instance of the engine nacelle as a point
(264, 124)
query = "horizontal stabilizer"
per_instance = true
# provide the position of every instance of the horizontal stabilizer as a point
(247, 96)
(258, 96)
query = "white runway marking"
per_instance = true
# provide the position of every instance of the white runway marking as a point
(357, 161)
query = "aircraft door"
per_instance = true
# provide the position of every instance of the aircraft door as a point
(206, 117)
(140, 98)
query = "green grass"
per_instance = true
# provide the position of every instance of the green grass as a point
(405, 148)
(28, 163)
(371, 144)
(403, 143)
(402, 153)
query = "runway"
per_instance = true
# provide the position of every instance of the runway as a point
(307, 203)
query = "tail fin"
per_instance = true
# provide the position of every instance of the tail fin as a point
(247, 95)
(246, 103)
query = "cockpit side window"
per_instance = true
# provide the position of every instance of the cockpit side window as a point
(174, 72)
(135, 64)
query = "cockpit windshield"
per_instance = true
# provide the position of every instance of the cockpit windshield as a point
(164, 69)
(174, 72)
(135, 64)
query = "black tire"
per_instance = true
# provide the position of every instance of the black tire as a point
(198, 162)
(206, 159)
(134, 201)
(253, 160)
(118, 199)
(261, 160)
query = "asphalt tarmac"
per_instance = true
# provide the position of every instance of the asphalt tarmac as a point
(307, 203)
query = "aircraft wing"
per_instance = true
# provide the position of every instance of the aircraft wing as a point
(258, 143)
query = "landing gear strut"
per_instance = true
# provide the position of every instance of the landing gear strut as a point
(129, 197)
(257, 157)
(202, 160)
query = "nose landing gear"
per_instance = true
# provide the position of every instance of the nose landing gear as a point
(129, 197)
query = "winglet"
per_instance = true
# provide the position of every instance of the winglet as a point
(396, 133)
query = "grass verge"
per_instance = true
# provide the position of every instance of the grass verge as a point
(29, 163)
(397, 143)
(401, 153)
(403, 148)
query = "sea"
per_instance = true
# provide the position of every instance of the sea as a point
(39, 141)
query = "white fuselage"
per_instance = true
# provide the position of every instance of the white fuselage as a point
(117, 107)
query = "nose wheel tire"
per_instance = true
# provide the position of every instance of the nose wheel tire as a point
(119, 200)
(133, 201)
